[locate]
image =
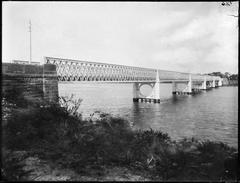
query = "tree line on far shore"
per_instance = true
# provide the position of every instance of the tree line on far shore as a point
(226, 75)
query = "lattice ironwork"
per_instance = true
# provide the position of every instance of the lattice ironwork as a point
(77, 70)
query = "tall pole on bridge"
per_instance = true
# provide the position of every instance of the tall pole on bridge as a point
(30, 31)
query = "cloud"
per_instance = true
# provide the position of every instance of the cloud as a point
(198, 37)
(201, 45)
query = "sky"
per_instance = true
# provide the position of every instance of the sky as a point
(196, 37)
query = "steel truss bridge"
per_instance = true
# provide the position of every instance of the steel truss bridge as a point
(77, 70)
(85, 71)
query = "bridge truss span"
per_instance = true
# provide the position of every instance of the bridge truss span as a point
(78, 70)
(73, 70)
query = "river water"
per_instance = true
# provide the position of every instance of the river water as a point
(209, 115)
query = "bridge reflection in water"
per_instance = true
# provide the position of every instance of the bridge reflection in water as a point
(95, 72)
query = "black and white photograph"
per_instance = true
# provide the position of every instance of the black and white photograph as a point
(120, 91)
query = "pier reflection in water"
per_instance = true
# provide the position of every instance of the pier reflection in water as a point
(210, 115)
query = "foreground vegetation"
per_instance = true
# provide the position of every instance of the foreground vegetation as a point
(57, 133)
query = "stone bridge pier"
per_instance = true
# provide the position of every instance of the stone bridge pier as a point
(212, 84)
(153, 97)
(186, 87)
(204, 84)
(220, 82)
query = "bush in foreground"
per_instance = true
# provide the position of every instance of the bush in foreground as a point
(57, 133)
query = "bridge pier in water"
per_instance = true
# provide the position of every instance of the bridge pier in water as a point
(220, 82)
(153, 97)
(213, 83)
(187, 90)
(204, 84)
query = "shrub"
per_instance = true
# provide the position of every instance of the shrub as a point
(43, 122)
(198, 160)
